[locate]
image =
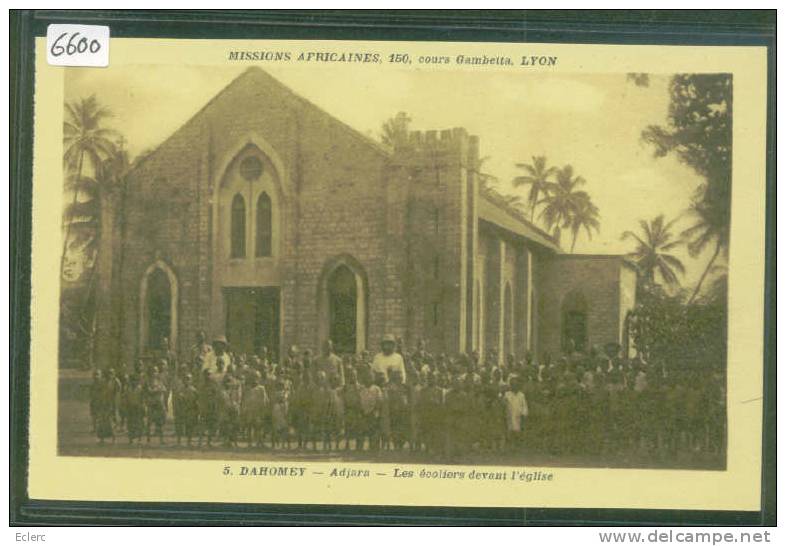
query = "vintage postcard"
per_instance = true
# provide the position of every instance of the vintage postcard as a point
(399, 273)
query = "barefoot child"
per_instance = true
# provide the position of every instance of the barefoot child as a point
(515, 411)
(254, 408)
(279, 430)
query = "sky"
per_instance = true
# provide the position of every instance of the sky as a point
(590, 121)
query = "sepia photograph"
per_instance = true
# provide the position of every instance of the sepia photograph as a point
(267, 261)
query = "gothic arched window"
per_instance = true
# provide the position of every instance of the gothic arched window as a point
(264, 226)
(238, 228)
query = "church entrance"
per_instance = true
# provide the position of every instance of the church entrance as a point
(159, 309)
(252, 319)
(342, 298)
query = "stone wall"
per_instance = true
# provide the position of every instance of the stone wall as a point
(406, 222)
(334, 186)
(401, 217)
(597, 278)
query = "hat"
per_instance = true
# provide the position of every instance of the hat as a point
(388, 338)
(220, 339)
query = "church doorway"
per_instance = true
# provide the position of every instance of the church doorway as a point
(342, 300)
(252, 319)
(159, 319)
(574, 322)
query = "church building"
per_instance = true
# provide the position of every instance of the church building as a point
(269, 221)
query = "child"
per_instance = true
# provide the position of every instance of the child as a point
(415, 389)
(430, 418)
(186, 409)
(398, 408)
(318, 407)
(301, 409)
(156, 405)
(334, 416)
(114, 389)
(105, 408)
(279, 426)
(254, 408)
(230, 410)
(135, 409)
(371, 405)
(95, 397)
(384, 411)
(515, 410)
(456, 402)
(122, 410)
(353, 415)
(209, 395)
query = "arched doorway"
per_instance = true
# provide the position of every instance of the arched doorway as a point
(158, 300)
(574, 322)
(342, 301)
(342, 297)
(159, 313)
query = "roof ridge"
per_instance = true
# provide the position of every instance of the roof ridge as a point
(251, 70)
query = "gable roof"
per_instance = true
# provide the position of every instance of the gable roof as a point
(261, 76)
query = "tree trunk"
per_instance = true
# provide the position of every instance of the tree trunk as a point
(88, 317)
(118, 302)
(67, 235)
(103, 277)
(573, 244)
(706, 272)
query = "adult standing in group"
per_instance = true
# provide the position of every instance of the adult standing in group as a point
(330, 363)
(219, 356)
(200, 353)
(389, 360)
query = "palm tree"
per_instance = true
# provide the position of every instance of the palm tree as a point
(585, 215)
(537, 178)
(83, 138)
(562, 199)
(395, 131)
(91, 221)
(652, 250)
(712, 226)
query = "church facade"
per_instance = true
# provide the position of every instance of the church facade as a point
(267, 220)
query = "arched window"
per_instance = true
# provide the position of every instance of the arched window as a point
(574, 322)
(264, 241)
(238, 228)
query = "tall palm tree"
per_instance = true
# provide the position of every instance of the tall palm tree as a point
(537, 178)
(585, 215)
(652, 250)
(711, 227)
(91, 221)
(562, 199)
(84, 138)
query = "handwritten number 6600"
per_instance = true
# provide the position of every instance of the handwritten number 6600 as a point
(81, 45)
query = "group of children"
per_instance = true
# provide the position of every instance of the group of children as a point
(445, 406)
